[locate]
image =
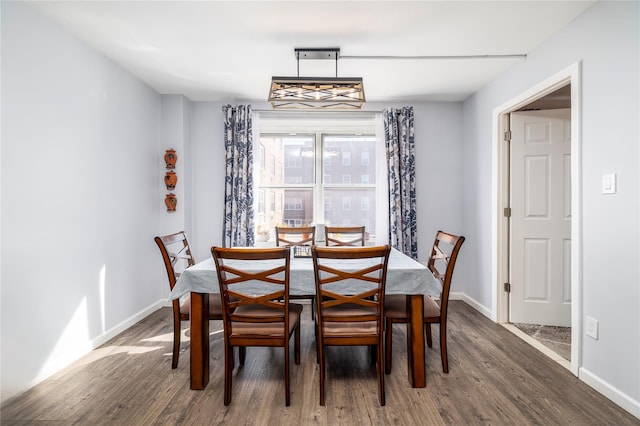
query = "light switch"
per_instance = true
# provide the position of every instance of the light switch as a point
(609, 183)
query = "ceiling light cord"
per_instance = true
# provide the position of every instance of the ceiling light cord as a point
(516, 55)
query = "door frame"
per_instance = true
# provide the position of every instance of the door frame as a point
(500, 191)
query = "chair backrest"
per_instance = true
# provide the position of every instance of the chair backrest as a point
(442, 262)
(174, 248)
(257, 277)
(295, 236)
(351, 275)
(344, 235)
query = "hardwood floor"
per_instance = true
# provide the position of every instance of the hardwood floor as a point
(494, 378)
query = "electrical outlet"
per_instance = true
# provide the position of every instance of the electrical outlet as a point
(592, 328)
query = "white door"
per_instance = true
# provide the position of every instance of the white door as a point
(540, 268)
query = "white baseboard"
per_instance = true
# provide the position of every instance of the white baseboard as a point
(119, 328)
(478, 307)
(619, 398)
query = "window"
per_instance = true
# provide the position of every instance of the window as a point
(319, 182)
(261, 201)
(364, 203)
(346, 204)
(261, 157)
(293, 203)
(273, 201)
(272, 164)
(346, 158)
(364, 158)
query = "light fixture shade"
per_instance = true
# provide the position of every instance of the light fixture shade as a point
(325, 93)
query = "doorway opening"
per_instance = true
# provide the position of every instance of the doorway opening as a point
(560, 91)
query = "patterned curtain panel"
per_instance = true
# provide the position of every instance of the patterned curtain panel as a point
(238, 192)
(400, 147)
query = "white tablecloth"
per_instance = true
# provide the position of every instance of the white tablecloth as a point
(404, 276)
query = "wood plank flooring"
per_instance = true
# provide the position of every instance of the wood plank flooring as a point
(494, 378)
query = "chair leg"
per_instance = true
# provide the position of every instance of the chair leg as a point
(176, 341)
(443, 347)
(313, 308)
(315, 329)
(427, 327)
(388, 336)
(380, 373)
(296, 340)
(228, 373)
(242, 354)
(322, 373)
(287, 388)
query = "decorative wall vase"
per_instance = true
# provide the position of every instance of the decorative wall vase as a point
(170, 180)
(171, 201)
(170, 157)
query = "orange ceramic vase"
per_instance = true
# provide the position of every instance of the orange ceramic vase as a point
(170, 180)
(170, 158)
(171, 202)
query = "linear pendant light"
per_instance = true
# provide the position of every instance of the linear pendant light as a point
(319, 93)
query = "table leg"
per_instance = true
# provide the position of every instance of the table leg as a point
(199, 340)
(415, 341)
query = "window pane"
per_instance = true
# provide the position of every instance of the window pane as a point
(342, 149)
(298, 207)
(355, 206)
(299, 159)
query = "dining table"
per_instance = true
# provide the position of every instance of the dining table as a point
(404, 276)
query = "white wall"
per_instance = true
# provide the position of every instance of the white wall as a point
(208, 169)
(438, 132)
(605, 39)
(80, 202)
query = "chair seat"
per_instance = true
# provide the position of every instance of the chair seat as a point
(348, 310)
(395, 306)
(215, 307)
(336, 329)
(265, 328)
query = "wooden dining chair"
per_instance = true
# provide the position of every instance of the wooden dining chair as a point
(254, 288)
(344, 235)
(350, 284)
(295, 236)
(174, 249)
(442, 262)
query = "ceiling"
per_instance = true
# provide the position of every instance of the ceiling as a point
(229, 50)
